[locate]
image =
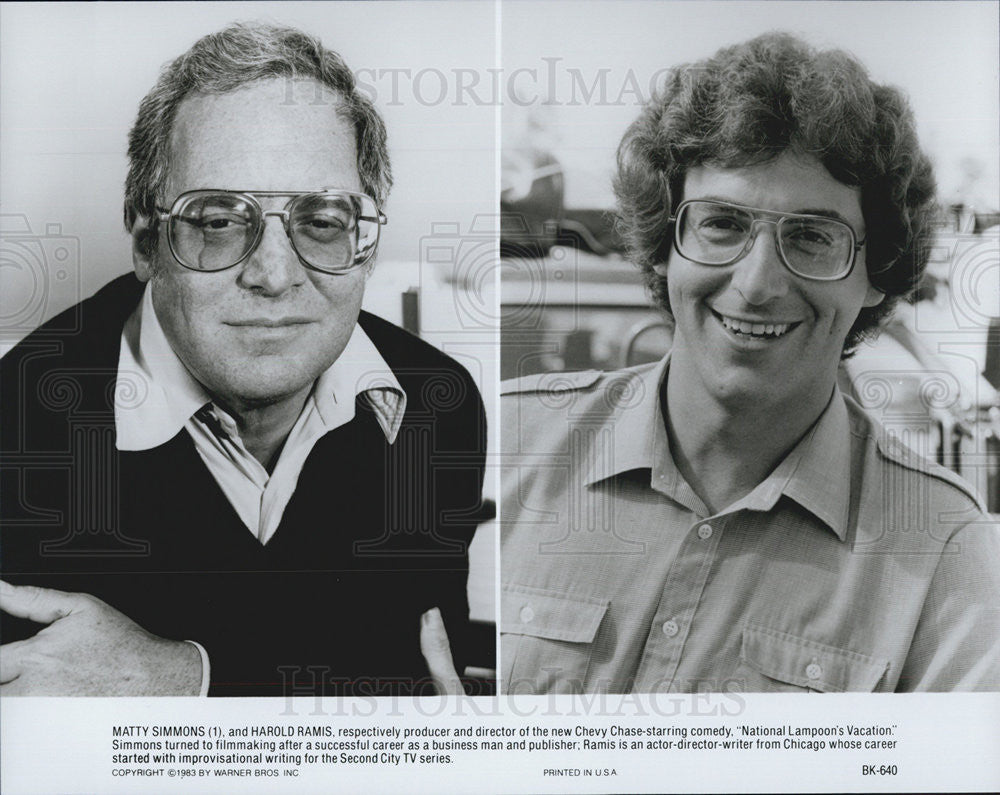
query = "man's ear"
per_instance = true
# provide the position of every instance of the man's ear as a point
(873, 297)
(143, 249)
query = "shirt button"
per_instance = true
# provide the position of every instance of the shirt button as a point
(527, 614)
(670, 628)
(705, 531)
(814, 670)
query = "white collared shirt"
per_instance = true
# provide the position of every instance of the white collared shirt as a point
(156, 396)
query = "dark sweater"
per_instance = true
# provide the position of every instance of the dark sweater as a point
(374, 535)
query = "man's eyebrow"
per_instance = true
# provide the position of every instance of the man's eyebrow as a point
(718, 199)
(824, 212)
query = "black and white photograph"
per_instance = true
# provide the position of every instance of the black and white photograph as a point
(500, 396)
(773, 468)
(245, 431)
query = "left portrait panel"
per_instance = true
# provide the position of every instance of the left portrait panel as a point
(249, 349)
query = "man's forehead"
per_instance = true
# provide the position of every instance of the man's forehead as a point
(273, 134)
(272, 110)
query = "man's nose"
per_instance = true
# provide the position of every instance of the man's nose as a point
(760, 275)
(273, 267)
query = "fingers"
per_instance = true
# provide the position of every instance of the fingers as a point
(10, 661)
(43, 605)
(437, 653)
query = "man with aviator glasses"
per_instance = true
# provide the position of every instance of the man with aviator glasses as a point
(293, 482)
(331, 230)
(724, 519)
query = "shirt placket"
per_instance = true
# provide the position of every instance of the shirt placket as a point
(682, 592)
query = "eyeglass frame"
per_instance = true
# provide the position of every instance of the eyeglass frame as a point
(380, 220)
(856, 245)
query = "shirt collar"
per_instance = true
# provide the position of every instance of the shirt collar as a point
(360, 370)
(631, 398)
(155, 394)
(816, 473)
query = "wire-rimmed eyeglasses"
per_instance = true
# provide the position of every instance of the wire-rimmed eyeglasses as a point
(331, 230)
(816, 247)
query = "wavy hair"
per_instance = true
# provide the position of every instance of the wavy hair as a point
(243, 53)
(751, 102)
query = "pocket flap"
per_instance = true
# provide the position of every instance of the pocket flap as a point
(807, 663)
(550, 614)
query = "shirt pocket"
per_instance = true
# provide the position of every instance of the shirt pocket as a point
(546, 639)
(772, 661)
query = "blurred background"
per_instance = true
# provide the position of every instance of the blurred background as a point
(577, 76)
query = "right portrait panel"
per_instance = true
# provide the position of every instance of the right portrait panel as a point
(750, 326)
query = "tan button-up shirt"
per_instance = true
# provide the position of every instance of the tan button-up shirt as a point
(854, 566)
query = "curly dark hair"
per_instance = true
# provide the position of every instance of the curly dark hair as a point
(751, 102)
(242, 53)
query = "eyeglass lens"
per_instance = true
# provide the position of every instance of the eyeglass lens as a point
(714, 233)
(330, 231)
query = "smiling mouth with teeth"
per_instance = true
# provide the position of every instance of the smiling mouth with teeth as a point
(763, 330)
